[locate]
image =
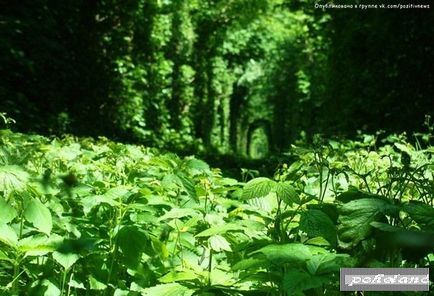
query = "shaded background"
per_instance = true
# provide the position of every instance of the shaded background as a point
(242, 77)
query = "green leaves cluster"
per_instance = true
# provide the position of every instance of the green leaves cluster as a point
(82, 216)
(93, 210)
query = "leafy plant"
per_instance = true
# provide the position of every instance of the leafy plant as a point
(95, 217)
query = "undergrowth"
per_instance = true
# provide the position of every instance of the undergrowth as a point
(95, 217)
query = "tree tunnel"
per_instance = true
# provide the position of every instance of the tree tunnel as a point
(258, 139)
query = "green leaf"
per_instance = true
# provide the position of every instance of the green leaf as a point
(12, 177)
(197, 166)
(8, 235)
(296, 281)
(316, 223)
(5, 257)
(171, 181)
(317, 241)
(286, 192)
(176, 276)
(251, 264)
(177, 213)
(38, 244)
(65, 259)
(258, 187)
(328, 263)
(329, 209)
(69, 152)
(51, 288)
(82, 190)
(92, 201)
(8, 213)
(39, 215)
(188, 186)
(266, 203)
(119, 292)
(229, 183)
(96, 284)
(116, 193)
(220, 229)
(357, 215)
(156, 200)
(172, 289)
(294, 252)
(354, 194)
(263, 205)
(385, 227)
(132, 242)
(404, 148)
(76, 284)
(422, 213)
(179, 180)
(218, 243)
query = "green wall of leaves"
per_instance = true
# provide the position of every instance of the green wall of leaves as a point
(200, 75)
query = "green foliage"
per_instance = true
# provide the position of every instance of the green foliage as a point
(194, 76)
(258, 187)
(6, 119)
(357, 216)
(316, 223)
(12, 178)
(90, 211)
(39, 215)
(84, 216)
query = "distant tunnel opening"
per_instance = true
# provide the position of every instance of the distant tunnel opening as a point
(258, 139)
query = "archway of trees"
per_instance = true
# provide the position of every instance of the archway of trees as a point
(259, 139)
(191, 75)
